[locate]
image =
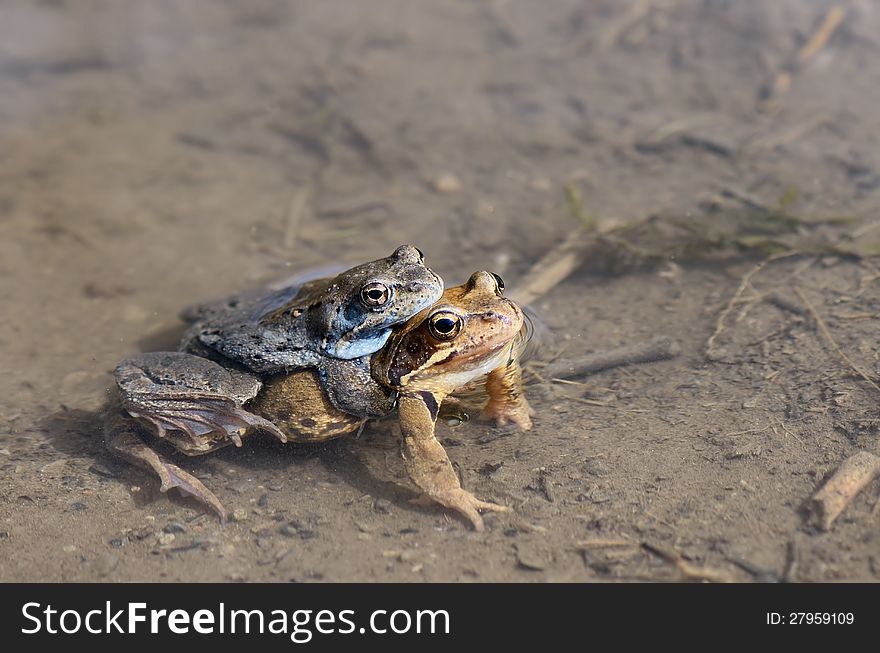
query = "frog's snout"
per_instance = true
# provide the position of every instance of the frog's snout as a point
(416, 286)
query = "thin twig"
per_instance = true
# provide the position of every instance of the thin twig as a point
(784, 78)
(744, 283)
(688, 570)
(851, 477)
(611, 36)
(820, 37)
(660, 348)
(823, 328)
(788, 432)
(795, 133)
(554, 267)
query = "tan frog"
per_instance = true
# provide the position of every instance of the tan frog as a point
(473, 331)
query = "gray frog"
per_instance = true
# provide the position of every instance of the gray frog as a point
(195, 398)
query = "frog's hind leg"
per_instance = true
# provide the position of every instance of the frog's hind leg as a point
(194, 402)
(121, 437)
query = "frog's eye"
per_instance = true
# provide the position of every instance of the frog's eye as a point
(499, 282)
(444, 325)
(375, 295)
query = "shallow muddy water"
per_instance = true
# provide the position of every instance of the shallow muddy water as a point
(156, 154)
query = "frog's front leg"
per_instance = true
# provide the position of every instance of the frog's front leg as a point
(507, 403)
(350, 387)
(426, 461)
(121, 435)
(192, 401)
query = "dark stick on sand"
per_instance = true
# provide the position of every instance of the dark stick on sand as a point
(658, 349)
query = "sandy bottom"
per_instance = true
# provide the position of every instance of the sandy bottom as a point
(158, 154)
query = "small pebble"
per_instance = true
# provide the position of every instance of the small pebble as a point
(116, 543)
(531, 557)
(263, 501)
(165, 538)
(596, 467)
(143, 533)
(540, 183)
(382, 505)
(447, 183)
(68, 548)
(289, 530)
(100, 470)
(264, 530)
(239, 514)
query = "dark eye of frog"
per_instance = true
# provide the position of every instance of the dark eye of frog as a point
(375, 295)
(499, 282)
(444, 325)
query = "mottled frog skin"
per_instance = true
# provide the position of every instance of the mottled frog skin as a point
(471, 332)
(194, 398)
(347, 316)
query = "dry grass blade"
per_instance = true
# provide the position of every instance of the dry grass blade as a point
(746, 281)
(688, 570)
(820, 37)
(784, 78)
(823, 328)
(612, 36)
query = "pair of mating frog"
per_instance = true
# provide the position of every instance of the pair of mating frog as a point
(314, 362)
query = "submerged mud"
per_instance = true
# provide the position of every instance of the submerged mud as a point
(159, 154)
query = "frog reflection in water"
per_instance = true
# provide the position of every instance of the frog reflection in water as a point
(472, 331)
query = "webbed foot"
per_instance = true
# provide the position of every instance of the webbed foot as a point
(462, 501)
(428, 465)
(194, 402)
(507, 404)
(121, 438)
(503, 412)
